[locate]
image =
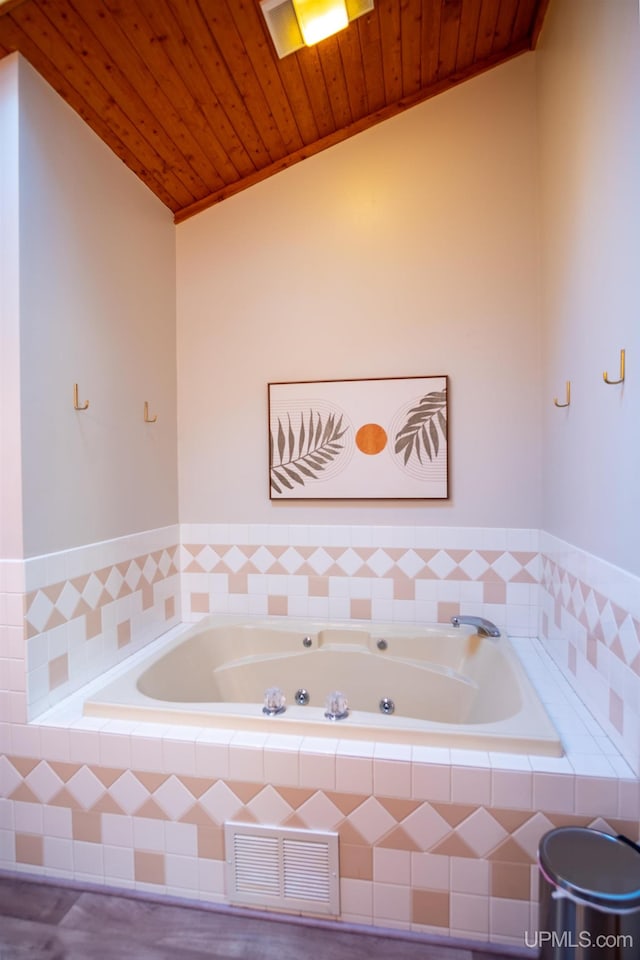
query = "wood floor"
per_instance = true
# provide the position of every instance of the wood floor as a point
(40, 921)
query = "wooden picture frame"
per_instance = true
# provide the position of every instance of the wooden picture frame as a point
(384, 438)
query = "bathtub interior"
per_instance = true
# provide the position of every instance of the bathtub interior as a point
(445, 683)
(430, 674)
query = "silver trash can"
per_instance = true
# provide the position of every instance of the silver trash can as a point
(589, 896)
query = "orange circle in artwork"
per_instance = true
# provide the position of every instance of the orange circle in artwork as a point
(371, 438)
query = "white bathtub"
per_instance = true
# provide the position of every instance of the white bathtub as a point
(451, 687)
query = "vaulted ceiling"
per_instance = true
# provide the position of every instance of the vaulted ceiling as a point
(191, 95)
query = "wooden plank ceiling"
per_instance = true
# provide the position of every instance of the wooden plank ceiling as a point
(191, 95)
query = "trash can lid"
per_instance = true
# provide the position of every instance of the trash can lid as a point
(593, 866)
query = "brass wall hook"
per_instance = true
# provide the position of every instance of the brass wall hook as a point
(147, 418)
(76, 404)
(567, 396)
(605, 375)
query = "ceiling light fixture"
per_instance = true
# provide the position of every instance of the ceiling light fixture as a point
(319, 19)
(294, 24)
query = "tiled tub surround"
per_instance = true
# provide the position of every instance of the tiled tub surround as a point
(416, 574)
(81, 611)
(590, 624)
(434, 840)
(437, 841)
(67, 617)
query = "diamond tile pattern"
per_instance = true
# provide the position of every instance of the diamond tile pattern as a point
(76, 597)
(365, 820)
(128, 793)
(269, 806)
(355, 561)
(174, 798)
(591, 637)
(114, 606)
(603, 620)
(481, 832)
(85, 788)
(43, 782)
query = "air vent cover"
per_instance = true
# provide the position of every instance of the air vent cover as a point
(281, 867)
(283, 24)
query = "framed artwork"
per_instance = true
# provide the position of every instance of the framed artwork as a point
(385, 438)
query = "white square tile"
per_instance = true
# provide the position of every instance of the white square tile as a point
(393, 752)
(181, 873)
(511, 789)
(212, 758)
(54, 743)
(391, 903)
(118, 864)
(117, 830)
(56, 822)
(469, 912)
(553, 792)
(58, 854)
(596, 796)
(246, 763)
(281, 767)
(7, 848)
(88, 858)
(148, 834)
(392, 778)
(509, 762)
(470, 784)
(84, 746)
(25, 740)
(317, 771)
(470, 876)
(146, 751)
(179, 753)
(509, 919)
(392, 866)
(211, 878)
(115, 750)
(354, 774)
(356, 898)
(430, 871)
(431, 781)
(629, 799)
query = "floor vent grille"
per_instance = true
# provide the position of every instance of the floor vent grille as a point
(281, 867)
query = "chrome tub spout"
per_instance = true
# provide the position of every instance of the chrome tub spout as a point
(484, 627)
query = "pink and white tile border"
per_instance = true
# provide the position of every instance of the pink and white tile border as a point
(416, 574)
(74, 614)
(590, 625)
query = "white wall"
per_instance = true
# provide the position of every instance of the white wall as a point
(97, 307)
(589, 119)
(411, 249)
(10, 472)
